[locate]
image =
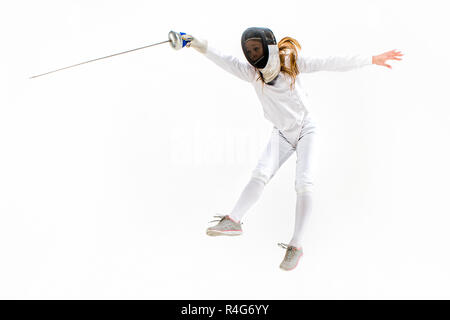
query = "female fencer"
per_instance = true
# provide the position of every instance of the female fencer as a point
(275, 70)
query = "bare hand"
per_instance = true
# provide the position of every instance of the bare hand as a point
(390, 55)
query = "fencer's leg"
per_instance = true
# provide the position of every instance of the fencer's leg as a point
(248, 197)
(274, 155)
(304, 186)
(303, 210)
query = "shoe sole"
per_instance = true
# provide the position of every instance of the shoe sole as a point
(215, 233)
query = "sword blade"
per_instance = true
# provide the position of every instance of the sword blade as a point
(109, 56)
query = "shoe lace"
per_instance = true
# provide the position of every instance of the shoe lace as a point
(220, 218)
(283, 245)
(290, 250)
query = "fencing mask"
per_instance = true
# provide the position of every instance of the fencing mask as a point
(261, 50)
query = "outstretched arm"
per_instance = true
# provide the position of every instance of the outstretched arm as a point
(229, 63)
(344, 63)
(332, 63)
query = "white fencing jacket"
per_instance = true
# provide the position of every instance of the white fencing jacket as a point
(284, 107)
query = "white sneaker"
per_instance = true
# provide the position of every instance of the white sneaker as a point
(225, 227)
(291, 258)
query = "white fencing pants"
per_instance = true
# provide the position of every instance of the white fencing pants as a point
(277, 151)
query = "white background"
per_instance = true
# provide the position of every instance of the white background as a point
(109, 172)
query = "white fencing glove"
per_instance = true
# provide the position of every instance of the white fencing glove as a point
(197, 44)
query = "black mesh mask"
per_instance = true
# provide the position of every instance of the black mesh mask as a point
(255, 44)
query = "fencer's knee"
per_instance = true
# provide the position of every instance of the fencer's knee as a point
(260, 176)
(304, 186)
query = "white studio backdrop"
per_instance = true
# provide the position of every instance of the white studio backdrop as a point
(109, 172)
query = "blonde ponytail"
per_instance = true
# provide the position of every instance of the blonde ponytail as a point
(288, 53)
